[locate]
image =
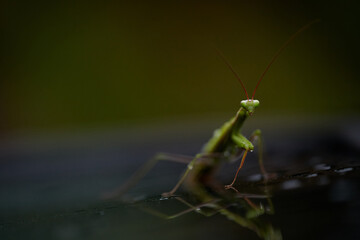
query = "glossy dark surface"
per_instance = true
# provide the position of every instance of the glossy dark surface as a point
(52, 188)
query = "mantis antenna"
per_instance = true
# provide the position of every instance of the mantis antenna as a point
(280, 50)
(232, 69)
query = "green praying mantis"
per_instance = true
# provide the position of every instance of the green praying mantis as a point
(226, 144)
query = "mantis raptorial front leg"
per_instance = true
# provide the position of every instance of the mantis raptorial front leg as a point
(256, 137)
(247, 145)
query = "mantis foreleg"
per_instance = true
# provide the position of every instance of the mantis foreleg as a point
(247, 145)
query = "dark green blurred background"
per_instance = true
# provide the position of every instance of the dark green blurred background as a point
(93, 64)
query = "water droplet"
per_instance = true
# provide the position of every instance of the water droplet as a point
(261, 206)
(344, 170)
(312, 175)
(322, 167)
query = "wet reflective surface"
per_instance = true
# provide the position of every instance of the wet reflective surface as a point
(53, 194)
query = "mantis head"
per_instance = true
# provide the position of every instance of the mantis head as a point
(250, 105)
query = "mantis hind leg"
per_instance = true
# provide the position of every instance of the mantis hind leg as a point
(190, 166)
(183, 177)
(142, 171)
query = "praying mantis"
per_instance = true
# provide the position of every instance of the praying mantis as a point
(226, 144)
